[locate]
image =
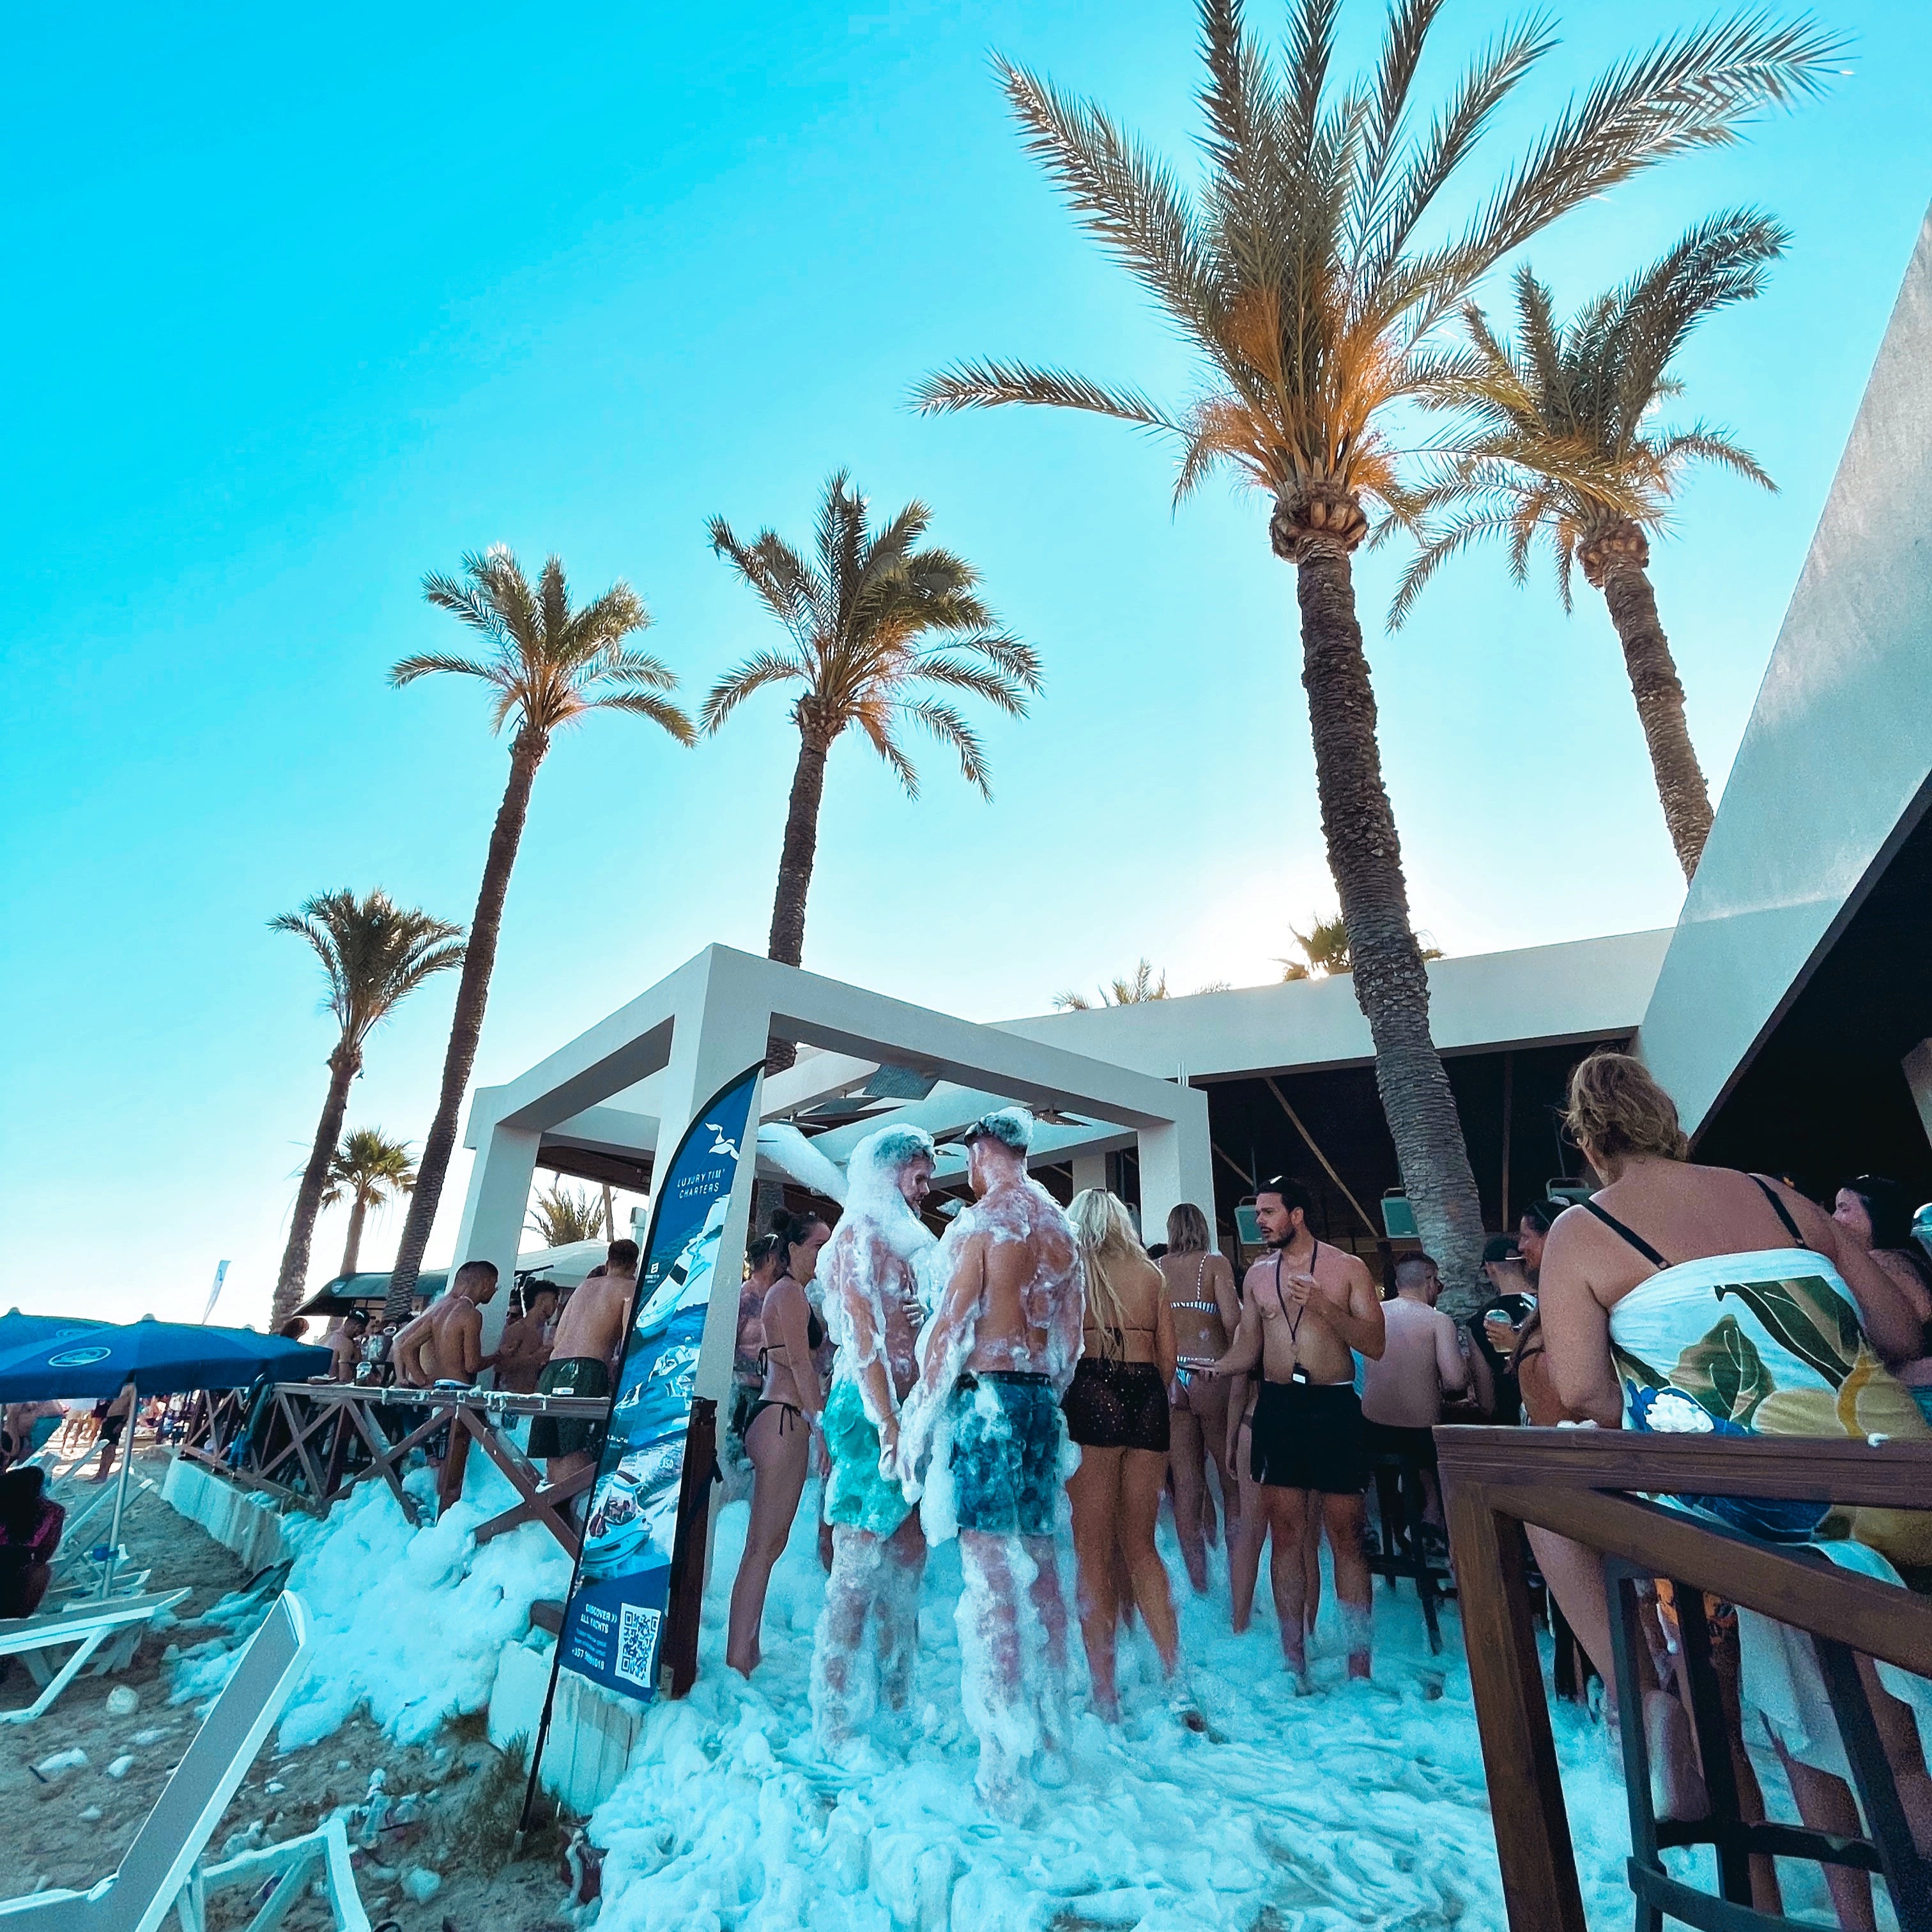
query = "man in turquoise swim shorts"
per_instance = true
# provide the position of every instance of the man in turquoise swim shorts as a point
(873, 1313)
(1005, 1337)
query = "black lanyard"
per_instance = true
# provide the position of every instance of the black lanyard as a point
(1295, 1326)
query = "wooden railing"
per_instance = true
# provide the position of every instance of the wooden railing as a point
(1588, 1485)
(308, 1443)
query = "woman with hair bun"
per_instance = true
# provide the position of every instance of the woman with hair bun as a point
(779, 1424)
(1673, 1268)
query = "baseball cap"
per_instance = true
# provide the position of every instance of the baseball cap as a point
(1501, 1248)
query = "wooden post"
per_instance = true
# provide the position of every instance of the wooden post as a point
(1509, 1102)
(1532, 1828)
(677, 1661)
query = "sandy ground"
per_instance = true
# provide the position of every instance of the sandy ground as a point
(70, 1830)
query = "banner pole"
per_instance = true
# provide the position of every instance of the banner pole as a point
(662, 1191)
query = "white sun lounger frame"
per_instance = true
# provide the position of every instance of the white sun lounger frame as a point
(158, 1874)
(87, 1627)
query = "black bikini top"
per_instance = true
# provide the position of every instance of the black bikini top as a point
(1657, 1260)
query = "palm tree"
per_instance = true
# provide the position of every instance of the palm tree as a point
(1561, 443)
(1324, 950)
(368, 1170)
(1311, 273)
(879, 631)
(547, 666)
(559, 1217)
(374, 954)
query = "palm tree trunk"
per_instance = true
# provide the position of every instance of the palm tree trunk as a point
(795, 863)
(472, 995)
(1681, 788)
(1391, 983)
(290, 1283)
(352, 1248)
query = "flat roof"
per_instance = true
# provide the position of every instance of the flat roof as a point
(1579, 989)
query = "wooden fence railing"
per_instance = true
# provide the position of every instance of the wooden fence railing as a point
(307, 1443)
(1589, 1485)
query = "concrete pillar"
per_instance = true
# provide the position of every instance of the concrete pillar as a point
(494, 1211)
(1089, 1170)
(1176, 1165)
(1917, 1067)
(712, 1041)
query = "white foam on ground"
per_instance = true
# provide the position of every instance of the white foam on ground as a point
(1363, 1805)
(409, 1622)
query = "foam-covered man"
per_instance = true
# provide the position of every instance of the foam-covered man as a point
(995, 1360)
(869, 1271)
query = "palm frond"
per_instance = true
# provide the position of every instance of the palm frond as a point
(648, 704)
(760, 669)
(969, 385)
(877, 729)
(950, 726)
(639, 667)
(428, 664)
(1702, 444)
(1125, 197)
(985, 681)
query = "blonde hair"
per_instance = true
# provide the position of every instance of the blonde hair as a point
(1187, 1230)
(1107, 1242)
(1617, 1109)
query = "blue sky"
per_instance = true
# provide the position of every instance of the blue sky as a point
(303, 306)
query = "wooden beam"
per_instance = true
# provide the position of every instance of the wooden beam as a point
(1534, 1851)
(1268, 1080)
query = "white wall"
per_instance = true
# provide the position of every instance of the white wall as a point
(1839, 747)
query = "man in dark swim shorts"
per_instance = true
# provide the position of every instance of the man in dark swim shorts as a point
(1000, 1356)
(1307, 1310)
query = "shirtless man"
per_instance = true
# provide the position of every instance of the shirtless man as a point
(1307, 1310)
(523, 1347)
(873, 1315)
(583, 1358)
(445, 1342)
(999, 1355)
(1402, 1391)
(345, 1345)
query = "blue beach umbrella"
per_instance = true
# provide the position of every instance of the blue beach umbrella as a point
(20, 1331)
(159, 1358)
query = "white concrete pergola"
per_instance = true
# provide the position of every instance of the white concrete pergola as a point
(630, 1084)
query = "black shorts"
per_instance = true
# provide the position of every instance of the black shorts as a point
(111, 1428)
(1116, 1405)
(1308, 1436)
(556, 1435)
(1413, 1445)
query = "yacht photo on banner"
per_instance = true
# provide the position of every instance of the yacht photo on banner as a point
(614, 1621)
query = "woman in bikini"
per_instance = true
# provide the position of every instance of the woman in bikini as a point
(1117, 1410)
(1205, 1311)
(778, 1430)
(1671, 1265)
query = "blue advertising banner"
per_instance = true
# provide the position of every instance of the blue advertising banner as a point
(614, 1621)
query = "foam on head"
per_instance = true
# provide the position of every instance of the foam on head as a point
(1013, 1126)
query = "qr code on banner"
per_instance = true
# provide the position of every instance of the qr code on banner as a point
(636, 1643)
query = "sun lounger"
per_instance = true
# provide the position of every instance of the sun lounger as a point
(87, 1627)
(158, 1874)
(296, 1864)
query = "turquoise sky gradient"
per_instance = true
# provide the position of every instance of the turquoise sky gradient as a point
(303, 305)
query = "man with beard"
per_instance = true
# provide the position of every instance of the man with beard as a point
(999, 1355)
(873, 1313)
(1307, 1310)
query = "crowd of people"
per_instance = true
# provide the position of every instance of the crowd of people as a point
(937, 1385)
(960, 1386)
